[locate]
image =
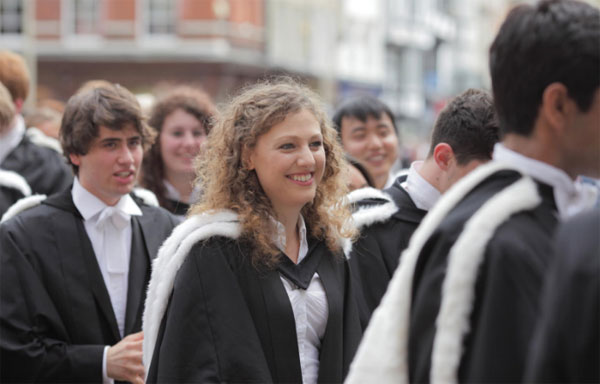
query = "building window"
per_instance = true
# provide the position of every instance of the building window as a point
(161, 17)
(85, 17)
(11, 16)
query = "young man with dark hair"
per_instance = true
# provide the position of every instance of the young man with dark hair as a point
(367, 130)
(75, 265)
(463, 137)
(466, 295)
(42, 167)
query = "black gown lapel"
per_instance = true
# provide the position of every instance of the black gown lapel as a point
(151, 236)
(138, 278)
(332, 346)
(79, 251)
(273, 318)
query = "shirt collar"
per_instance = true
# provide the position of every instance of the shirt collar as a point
(279, 237)
(11, 139)
(390, 180)
(570, 197)
(89, 205)
(171, 192)
(423, 194)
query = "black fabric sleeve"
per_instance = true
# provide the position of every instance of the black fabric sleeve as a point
(566, 346)
(34, 345)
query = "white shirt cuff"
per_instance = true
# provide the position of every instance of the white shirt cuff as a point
(105, 378)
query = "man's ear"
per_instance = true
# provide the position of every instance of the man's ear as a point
(75, 159)
(443, 156)
(556, 106)
(19, 104)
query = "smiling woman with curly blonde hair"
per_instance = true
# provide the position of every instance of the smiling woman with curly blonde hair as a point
(228, 183)
(253, 287)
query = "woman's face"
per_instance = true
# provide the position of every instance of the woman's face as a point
(289, 161)
(180, 140)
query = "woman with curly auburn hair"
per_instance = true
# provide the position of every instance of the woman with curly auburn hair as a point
(182, 118)
(254, 285)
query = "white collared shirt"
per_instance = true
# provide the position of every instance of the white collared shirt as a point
(171, 192)
(570, 197)
(116, 284)
(390, 180)
(310, 308)
(423, 194)
(11, 139)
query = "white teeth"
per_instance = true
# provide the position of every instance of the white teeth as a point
(123, 174)
(301, 177)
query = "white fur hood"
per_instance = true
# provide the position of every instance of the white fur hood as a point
(371, 214)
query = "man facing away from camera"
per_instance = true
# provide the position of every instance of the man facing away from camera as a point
(463, 304)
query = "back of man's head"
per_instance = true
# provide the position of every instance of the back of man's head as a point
(7, 109)
(469, 125)
(14, 75)
(555, 41)
(111, 106)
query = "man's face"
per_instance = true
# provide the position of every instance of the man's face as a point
(110, 167)
(374, 143)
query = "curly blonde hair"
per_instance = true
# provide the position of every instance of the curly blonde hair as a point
(228, 184)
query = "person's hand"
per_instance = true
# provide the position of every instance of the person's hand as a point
(124, 359)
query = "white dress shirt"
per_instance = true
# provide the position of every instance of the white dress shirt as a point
(309, 306)
(423, 194)
(11, 139)
(570, 197)
(114, 268)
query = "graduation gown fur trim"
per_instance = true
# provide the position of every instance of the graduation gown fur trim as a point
(383, 352)
(39, 138)
(22, 205)
(171, 256)
(146, 195)
(369, 214)
(15, 181)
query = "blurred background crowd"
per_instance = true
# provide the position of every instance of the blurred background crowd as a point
(411, 54)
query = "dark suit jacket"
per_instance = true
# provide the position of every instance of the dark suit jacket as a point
(45, 170)
(55, 312)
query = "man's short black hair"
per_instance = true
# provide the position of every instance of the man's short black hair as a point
(469, 125)
(361, 107)
(555, 41)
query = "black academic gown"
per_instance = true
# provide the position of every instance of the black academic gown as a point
(176, 207)
(229, 322)
(8, 196)
(376, 253)
(567, 342)
(507, 289)
(55, 311)
(45, 170)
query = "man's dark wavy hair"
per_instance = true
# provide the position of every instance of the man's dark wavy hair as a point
(554, 41)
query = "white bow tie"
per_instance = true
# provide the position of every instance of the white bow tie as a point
(111, 223)
(118, 218)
